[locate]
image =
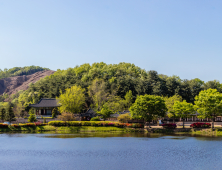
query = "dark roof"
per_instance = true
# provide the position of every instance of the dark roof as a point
(46, 103)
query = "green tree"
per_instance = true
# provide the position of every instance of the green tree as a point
(72, 100)
(169, 104)
(209, 104)
(128, 99)
(183, 109)
(97, 91)
(9, 115)
(2, 114)
(148, 107)
(54, 112)
(105, 112)
(32, 117)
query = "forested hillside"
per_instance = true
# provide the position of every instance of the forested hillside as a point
(111, 82)
(19, 71)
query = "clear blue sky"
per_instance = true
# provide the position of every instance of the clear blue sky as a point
(173, 37)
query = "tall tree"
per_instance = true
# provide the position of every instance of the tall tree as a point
(147, 107)
(72, 100)
(98, 93)
(183, 109)
(209, 104)
(170, 101)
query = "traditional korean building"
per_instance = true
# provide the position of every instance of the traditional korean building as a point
(45, 106)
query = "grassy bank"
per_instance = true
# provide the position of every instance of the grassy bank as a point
(67, 129)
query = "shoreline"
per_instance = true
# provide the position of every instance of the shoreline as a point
(76, 129)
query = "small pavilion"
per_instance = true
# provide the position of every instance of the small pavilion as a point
(45, 106)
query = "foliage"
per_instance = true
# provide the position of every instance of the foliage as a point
(95, 119)
(66, 117)
(124, 118)
(183, 109)
(54, 112)
(209, 104)
(72, 100)
(200, 125)
(19, 71)
(94, 123)
(147, 107)
(105, 112)
(44, 121)
(170, 103)
(32, 118)
(9, 114)
(2, 114)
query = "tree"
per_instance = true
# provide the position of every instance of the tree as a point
(2, 114)
(9, 115)
(147, 107)
(97, 91)
(209, 104)
(54, 112)
(105, 112)
(19, 110)
(32, 117)
(72, 100)
(128, 99)
(183, 109)
(169, 104)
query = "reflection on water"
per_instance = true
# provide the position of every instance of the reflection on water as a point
(109, 151)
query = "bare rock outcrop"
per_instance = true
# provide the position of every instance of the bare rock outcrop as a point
(12, 85)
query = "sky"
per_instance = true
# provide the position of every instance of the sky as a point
(172, 37)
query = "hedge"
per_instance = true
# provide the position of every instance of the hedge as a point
(94, 123)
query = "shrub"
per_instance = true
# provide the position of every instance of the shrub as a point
(3, 125)
(15, 125)
(200, 125)
(95, 119)
(86, 123)
(44, 121)
(124, 118)
(66, 117)
(32, 118)
(30, 124)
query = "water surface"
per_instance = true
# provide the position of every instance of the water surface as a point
(109, 151)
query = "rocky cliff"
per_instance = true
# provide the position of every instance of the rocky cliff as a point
(13, 84)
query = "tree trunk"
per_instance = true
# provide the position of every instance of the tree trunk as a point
(183, 123)
(174, 119)
(149, 124)
(212, 124)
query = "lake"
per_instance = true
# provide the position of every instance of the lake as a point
(109, 151)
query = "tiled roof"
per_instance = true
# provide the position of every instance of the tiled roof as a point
(46, 103)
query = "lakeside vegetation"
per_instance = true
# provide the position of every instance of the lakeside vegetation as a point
(112, 88)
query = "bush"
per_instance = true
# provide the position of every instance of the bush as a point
(124, 118)
(169, 125)
(3, 125)
(32, 118)
(67, 117)
(15, 125)
(95, 119)
(200, 125)
(30, 124)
